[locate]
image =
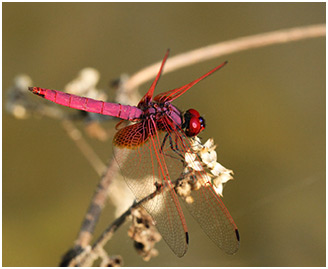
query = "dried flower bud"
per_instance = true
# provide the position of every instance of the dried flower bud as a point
(17, 102)
(113, 261)
(85, 84)
(144, 234)
(202, 168)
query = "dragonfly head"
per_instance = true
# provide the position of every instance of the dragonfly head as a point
(193, 122)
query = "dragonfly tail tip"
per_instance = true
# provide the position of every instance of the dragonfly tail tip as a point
(37, 91)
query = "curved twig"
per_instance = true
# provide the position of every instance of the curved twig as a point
(225, 48)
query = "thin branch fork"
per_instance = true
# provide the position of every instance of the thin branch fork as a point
(87, 257)
(96, 206)
(91, 217)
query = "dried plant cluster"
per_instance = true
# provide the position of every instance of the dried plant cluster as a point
(144, 234)
(202, 169)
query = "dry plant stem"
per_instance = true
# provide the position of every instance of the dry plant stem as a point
(110, 230)
(96, 205)
(225, 48)
(84, 147)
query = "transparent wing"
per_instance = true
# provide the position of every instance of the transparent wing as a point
(214, 218)
(158, 158)
(206, 206)
(175, 93)
(149, 95)
(143, 165)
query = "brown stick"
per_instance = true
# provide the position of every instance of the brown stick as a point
(225, 48)
(84, 147)
(110, 230)
(91, 217)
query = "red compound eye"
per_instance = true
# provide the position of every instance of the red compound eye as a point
(194, 124)
(193, 112)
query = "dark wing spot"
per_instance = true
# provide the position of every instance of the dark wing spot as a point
(187, 238)
(237, 234)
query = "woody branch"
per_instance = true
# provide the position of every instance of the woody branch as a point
(226, 48)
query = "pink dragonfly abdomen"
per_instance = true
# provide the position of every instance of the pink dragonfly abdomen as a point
(124, 112)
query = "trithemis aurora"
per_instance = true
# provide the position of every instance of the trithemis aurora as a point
(150, 153)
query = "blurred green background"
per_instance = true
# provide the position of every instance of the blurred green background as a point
(265, 110)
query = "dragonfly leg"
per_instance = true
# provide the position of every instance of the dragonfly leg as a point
(174, 148)
(163, 143)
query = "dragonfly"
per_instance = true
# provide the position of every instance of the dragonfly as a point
(150, 152)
